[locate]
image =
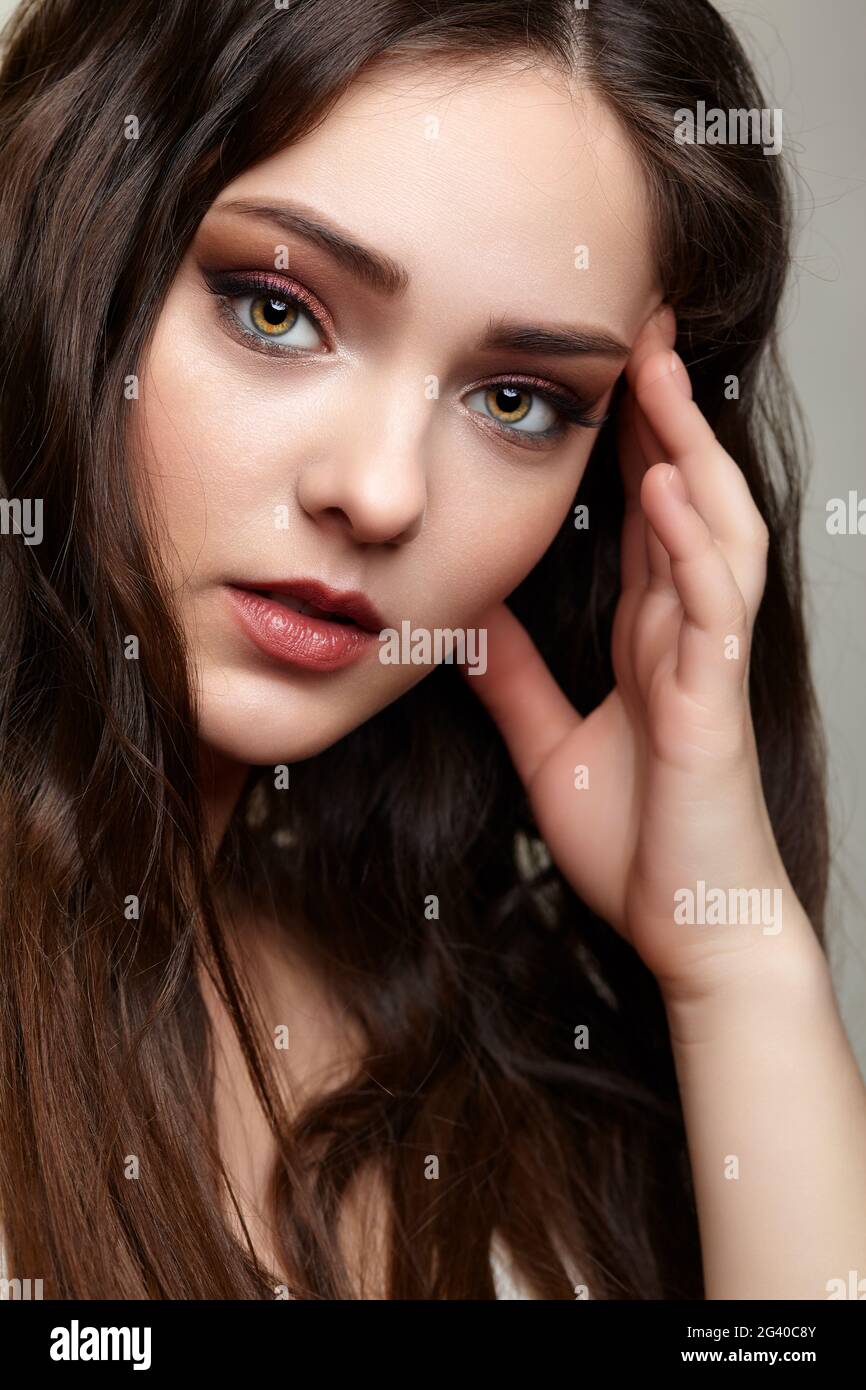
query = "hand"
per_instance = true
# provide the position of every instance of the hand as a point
(674, 791)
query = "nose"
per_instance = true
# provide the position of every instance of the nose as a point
(368, 478)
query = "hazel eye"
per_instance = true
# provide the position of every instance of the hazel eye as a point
(516, 407)
(276, 317)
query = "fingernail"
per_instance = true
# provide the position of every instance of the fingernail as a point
(666, 322)
(677, 483)
(680, 375)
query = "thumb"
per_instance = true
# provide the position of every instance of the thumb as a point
(520, 694)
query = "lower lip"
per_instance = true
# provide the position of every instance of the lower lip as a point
(314, 644)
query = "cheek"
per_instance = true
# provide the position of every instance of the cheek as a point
(180, 445)
(504, 522)
(211, 452)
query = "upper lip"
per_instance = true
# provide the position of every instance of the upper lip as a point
(348, 603)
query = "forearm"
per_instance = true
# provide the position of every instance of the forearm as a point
(775, 1112)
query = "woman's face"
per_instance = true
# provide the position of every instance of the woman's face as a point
(326, 396)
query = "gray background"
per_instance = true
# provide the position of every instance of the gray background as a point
(809, 60)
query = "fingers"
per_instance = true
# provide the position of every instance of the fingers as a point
(712, 648)
(523, 699)
(658, 563)
(639, 450)
(717, 487)
(633, 552)
(704, 540)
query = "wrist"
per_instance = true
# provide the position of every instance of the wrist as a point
(785, 975)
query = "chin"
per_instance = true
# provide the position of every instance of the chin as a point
(269, 737)
(266, 726)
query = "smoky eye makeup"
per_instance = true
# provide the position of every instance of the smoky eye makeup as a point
(277, 316)
(511, 400)
(281, 318)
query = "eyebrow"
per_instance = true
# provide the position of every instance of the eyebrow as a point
(388, 277)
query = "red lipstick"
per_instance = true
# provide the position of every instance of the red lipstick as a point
(305, 623)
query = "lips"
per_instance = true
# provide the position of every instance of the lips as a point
(306, 623)
(297, 605)
(314, 599)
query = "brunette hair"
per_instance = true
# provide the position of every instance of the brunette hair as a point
(106, 1047)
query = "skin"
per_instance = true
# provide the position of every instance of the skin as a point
(385, 486)
(424, 506)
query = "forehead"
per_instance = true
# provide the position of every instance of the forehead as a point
(502, 187)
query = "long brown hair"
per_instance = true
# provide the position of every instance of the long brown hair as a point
(106, 1048)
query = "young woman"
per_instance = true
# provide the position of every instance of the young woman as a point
(331, 976)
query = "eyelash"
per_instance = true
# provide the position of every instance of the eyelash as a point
(576, 413)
